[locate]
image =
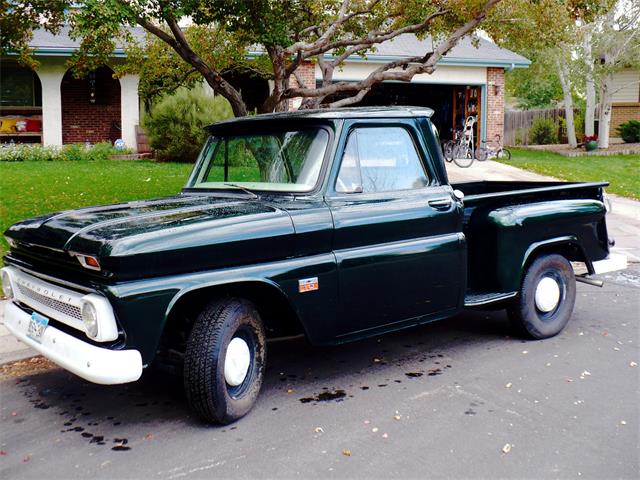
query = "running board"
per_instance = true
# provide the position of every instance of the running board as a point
(473, 299)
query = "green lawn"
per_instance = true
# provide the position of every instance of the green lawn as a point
(621, 171)
(28, 189)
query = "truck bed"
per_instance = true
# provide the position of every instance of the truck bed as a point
(496, 211)
(509, 192)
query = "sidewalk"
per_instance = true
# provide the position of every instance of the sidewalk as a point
(623, 224)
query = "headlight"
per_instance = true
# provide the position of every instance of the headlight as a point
(90, 319)
(6, 285)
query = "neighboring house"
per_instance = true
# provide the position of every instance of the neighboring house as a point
(626, 98)
(468, 81)
(51, 107)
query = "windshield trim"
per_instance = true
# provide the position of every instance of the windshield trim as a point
(188, 188)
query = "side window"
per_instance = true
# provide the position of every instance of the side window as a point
(380, 159)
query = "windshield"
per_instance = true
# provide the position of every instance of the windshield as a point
(283, 161)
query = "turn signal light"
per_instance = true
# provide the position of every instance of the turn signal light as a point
(87, 261)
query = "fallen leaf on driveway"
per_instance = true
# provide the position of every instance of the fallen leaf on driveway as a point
(346, 452)
(633, 364)
(507, 448)
(319, 430)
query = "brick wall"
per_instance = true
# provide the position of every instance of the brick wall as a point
(307, 73)
(621, 113)
(495, 104)
(83, 120)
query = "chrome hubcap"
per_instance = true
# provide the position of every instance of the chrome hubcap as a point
(547, 294)
(236, 362)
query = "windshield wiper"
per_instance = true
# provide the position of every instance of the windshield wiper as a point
(244, 189)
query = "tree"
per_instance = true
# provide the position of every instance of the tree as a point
(537, 86)
(288, 33)
(18, 20)
(555, 36)
(616, 46)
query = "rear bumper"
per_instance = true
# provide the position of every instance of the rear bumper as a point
(96, 364)
(615, 261)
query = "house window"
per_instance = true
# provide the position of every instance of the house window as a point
(19, 87)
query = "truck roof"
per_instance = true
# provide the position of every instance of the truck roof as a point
(338, 113)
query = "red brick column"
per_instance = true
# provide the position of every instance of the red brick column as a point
(307, 73)
(495, 104)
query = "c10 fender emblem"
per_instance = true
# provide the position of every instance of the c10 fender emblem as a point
(308, 284)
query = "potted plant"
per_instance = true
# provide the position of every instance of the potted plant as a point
(590, 142)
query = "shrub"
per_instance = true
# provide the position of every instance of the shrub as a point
(70, 153)
(543, 131)
(175, 124)
(630, 131)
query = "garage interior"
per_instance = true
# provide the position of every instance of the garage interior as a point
(452, 104)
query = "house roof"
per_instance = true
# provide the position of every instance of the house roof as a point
(483, 54)
(45, 43)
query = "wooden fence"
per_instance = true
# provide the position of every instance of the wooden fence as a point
(518, 122)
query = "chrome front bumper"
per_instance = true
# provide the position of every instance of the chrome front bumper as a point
(96, 364)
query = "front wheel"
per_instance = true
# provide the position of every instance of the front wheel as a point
(546, 298)
(462, 156)
(504, 154)
(225, 360)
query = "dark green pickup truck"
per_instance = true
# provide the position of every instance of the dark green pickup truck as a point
(332, 224)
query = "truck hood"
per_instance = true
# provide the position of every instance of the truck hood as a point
(174, 224)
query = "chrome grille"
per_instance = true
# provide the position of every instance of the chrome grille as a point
(57, 305)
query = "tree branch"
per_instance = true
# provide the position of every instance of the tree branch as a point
(425, 64)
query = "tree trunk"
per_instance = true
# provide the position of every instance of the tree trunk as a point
(590, 107)
(604, 117)
(568, 103)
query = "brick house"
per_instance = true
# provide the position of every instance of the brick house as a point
(626, 98)
(51, 107)
(468, 81)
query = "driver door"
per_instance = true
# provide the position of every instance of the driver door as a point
(397, 233)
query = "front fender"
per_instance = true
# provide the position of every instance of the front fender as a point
(143, 306)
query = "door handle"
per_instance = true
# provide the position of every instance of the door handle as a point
(440, 203)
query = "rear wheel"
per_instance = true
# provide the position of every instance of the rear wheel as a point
(447, 150)
(225, 360)
(546, 298)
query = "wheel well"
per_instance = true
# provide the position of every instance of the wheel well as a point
(569, 250)
(278, 317)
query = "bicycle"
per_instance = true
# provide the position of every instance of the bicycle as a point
(461, 149)
(485, 152)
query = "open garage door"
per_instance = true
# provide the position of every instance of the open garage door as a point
(452, 104)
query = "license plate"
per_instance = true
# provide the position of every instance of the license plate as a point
(37, 326)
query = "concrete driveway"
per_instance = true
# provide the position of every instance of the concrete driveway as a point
(461, 398)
